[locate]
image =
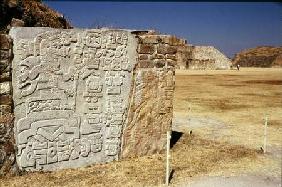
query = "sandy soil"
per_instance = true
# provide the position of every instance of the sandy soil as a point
(225, 111)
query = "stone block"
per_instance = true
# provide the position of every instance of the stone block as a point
(6, 100)
(73, 109)
(150, 39)
(144, 57)
(150, 112)
(158, 56)
(4, 68)
(5, 88)
(164, 39)
(5, 41)
(77, 109)
(145, 64)
(5, 55)
(146, 49)
(171, 57)
(171, 63)
(159, 63)
(5, 75)
(5, 109)
(166, 49)
(17, 23)
(173, 41)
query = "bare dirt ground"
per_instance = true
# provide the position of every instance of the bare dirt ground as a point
(225, 111)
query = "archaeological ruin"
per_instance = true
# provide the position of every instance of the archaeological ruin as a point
(201, 58)
(84, 96)
(75, 97)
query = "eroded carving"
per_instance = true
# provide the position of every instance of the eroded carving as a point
(71, 93)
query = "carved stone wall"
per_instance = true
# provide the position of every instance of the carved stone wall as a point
(71, 90)
(90, 96)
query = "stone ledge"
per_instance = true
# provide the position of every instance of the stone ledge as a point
(165, 39)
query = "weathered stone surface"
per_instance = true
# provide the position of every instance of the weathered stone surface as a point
(5, 41)
(81, 97)
(150, 112)
(6, 100)
(71, 90)
(171, 63)
(5, 54)
(5, 75)
(7, 151)
(183, 56)
(146, 64)
(5, 109)
(157, 56)
(5, 88)
(208, 57)
(150, 39)
(171, 57)
(163, 49)
(17, 23)
(146, 49)
(143, 57)
(4, 66)
(159, 63)
(173, 41)
(162, 39)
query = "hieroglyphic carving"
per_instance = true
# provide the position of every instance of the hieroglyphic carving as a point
(70, 91)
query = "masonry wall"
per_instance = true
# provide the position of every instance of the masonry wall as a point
(7, 149)
(183, 55)
(122, 80)
(208, 57)
(151, 103)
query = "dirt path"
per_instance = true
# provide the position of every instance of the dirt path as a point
(235, 181)
(217, 130)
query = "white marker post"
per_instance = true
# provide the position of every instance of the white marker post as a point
(167, 157)
(265, 133)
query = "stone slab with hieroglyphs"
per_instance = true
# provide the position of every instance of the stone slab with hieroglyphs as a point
(70, 90)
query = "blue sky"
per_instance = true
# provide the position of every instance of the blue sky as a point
(230, 27)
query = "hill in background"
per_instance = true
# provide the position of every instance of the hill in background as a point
(263, 56)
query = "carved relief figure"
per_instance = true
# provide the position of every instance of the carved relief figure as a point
(72, 97)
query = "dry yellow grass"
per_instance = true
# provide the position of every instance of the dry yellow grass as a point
(192, 156)
(238, 98)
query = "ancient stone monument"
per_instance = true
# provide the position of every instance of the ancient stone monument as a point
(201, 58)
(89, 96)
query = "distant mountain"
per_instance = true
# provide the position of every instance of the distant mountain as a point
(263, 56)
(29, 13)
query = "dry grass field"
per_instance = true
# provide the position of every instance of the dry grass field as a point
(224, 110)
(230, 107)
